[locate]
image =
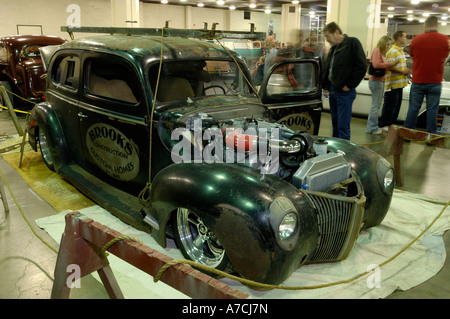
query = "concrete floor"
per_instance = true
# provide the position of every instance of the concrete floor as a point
(27, 265)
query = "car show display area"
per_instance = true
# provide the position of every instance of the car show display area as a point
(374, 246)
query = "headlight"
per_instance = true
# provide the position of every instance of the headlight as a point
(284, 222)
(389, 178)
(385, 176)
(287, 226)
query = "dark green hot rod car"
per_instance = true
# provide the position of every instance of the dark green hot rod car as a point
(179, 144)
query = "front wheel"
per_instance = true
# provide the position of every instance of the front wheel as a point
(45, 150)
(198, 242)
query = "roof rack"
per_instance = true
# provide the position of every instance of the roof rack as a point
(172, 32)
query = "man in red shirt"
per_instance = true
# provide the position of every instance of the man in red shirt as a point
(429, 51)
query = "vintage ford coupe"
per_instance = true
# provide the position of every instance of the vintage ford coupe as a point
(179, 144)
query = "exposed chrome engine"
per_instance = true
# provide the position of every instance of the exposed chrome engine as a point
(270, 147)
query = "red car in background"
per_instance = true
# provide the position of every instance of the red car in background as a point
(21, 66)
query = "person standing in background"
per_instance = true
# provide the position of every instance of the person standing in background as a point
(429, 51)
(344, 69)
(396, 80)
(376, 83)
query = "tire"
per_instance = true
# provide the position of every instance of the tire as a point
(198, 243)
(45, 150)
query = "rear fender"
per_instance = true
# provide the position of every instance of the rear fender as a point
(45, 118)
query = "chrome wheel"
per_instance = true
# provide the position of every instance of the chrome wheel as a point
(45, 150)
(198, 242)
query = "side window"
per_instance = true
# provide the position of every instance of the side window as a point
(3, 53)
(66, 72)
(112, 79)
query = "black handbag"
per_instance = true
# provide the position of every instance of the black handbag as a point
(376, 72)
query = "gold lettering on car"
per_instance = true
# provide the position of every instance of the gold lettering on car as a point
(299, 122)
(112, 151)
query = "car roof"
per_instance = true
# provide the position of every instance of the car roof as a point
(149, 47)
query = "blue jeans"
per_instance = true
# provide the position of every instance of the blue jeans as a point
(377, 89)
(341, 112)
(391, 107)
(418, 91)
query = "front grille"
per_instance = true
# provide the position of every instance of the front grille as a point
(339, 222)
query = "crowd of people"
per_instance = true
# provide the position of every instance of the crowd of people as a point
(345, 66)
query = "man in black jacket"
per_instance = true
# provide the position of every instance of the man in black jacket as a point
(344, 69)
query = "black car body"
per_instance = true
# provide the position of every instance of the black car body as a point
(180, 141)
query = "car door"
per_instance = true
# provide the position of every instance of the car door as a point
(291, 90)
(112, 118)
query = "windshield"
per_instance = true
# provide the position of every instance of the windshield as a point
(32, 50)
(180, 80)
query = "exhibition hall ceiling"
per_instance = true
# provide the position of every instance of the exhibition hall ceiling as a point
(400, 10)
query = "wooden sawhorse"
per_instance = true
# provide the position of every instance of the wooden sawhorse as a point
(82, 243)
(395, 139)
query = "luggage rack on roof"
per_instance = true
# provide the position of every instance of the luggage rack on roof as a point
(172, 32)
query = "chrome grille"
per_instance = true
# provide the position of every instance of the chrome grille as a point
(339, 222)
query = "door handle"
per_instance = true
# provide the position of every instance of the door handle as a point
(82, 115)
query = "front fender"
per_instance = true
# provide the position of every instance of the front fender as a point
(234, 202)
(365, 163)
(45, 118)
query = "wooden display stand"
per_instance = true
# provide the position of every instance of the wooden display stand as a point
(82, 243)
(395, 139)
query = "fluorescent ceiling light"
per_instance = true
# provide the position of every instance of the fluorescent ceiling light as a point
(391, 8)
(232, 8)
(267, 11)
(252, 5)
(200, 4)
(220, 2)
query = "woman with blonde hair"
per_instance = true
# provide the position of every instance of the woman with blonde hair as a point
(376, 83)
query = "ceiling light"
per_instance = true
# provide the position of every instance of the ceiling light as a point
(267, 11)
(220, 2)
(164, 1)
(444, 17)
(390, 15)
(252, 5)
(444, 23)
(200, 4)
(295, 2)
(415, 1)
(421, 20)
(426, 14)
(391, 8)
(410, 18)
(232, 7)
(410, 11)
